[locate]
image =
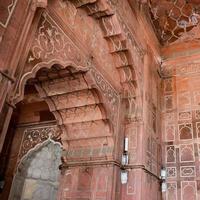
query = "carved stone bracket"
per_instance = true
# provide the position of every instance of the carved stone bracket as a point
(117, 40)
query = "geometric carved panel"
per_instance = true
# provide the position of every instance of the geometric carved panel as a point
(35, 136)
(171, 191)
(185, 131)
(188, 190)
(186, 115)
(198, 129)
(187, 171)
(170, 132)
(171, 172)
(197, 114)
(186, 153)
(170, 154)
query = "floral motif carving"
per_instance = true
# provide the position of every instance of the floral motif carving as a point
(35, 136)
(51, 43)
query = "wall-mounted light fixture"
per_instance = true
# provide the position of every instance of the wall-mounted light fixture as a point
(163, 173)
(124, 176)
(164, 186)
(163, 177)
(125, 153)
(126, 144)
(124, 159)
(124, 173)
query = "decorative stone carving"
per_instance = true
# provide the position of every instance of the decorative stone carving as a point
(81, 114)
(4, 20)
(189, 190)
(183, 69)
(170, 132)
(187, 115)
(185, 131)
(108, 92)
(168, 102)
(35, 136)
(187, 171)
(175, 21)
(50, 46)
(187, 153)
(194, 34)
(113, 31)
(51, 42)
(171, 172)
(170, 154)
(171, 191)
(168, 85)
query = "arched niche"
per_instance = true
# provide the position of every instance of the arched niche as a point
(38, 173)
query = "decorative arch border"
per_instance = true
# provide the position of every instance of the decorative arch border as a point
(32, 73)
(105, 92)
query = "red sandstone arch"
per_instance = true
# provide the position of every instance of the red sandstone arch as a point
(19, 95)
(99, 113)
(52, 46)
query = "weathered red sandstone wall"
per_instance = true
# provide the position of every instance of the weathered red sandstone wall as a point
(144, 134)
(145, 149)
(180, 116)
